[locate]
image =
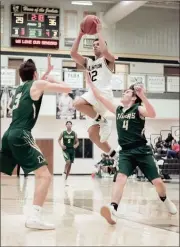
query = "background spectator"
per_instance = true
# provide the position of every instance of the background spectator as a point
(168, 141)
(175, 150)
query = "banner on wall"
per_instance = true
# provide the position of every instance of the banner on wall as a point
(8, 77)
(118, 81)
(2, 23)
(3, 101)
(173, 83)
(68, 42)
(88, 43)
(10, 94)
(156, 84)
(175, 132)
(70, 27)
(74, 79)
(141, 79)
(64, 105)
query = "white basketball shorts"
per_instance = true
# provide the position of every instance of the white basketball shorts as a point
(98, 106)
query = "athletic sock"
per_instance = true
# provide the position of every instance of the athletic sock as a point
(115, 205)
(99, 118)
(163, 198)
(112, 153)
(36, 211)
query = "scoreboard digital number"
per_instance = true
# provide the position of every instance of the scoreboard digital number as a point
(34, 26)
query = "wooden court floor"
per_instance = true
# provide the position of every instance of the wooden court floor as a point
(143, 219)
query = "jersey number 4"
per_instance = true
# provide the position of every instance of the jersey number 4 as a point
(93, 75)
(16, 101)
(125, 124)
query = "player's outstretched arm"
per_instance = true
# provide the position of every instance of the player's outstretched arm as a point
(107, 103)
(74, 50)
(50, 67)
(110, 57)
(147, 110)
(41, 86)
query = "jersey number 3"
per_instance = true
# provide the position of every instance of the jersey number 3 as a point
(16, 101)
(125, 124)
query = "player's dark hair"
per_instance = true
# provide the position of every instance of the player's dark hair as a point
(68, 122)
(138, 100)
(98, 40)
(26, 70)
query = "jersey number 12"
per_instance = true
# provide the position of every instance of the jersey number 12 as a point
(93, 75)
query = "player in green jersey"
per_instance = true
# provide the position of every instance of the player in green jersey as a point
(18, 145)
(69, 144)
(130, 121)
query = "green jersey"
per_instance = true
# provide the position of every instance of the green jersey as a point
(130, 127)
(25, 110)
(69, 139)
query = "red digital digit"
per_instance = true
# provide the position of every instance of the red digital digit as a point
(22, 31)
(48, 33)
(33, 17)
(41, 18)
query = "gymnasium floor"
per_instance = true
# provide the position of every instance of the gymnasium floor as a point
(143, 220)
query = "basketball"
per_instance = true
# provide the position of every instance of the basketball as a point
(88, 25)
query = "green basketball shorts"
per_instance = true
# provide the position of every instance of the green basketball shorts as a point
(19, 147)
(141, 157)
(69, 154)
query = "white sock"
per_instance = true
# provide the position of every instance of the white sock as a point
(97, 115)
(102, 119)
(36, 210)
(110, 151)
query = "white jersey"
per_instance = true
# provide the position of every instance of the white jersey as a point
(101, 75)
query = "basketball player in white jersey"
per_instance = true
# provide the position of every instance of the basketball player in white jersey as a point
(101, 71)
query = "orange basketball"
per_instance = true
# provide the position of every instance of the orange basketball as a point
(88, 25)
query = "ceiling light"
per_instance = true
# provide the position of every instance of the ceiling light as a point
(82, 3)
(126, 2)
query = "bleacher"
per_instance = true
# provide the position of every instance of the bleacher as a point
(169, 166)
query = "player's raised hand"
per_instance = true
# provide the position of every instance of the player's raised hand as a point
(81, 32)
(98, 25)
(50, 78)
(139, 89)
(50, 66)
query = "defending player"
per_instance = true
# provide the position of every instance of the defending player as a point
(130, 121)
(69, 144)
(18, 145)
(101, 71)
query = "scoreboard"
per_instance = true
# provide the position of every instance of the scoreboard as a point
(34, 26)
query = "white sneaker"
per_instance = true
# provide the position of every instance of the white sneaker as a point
(105, 130)
(38, 224)
(171, 207)
(109, 213)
